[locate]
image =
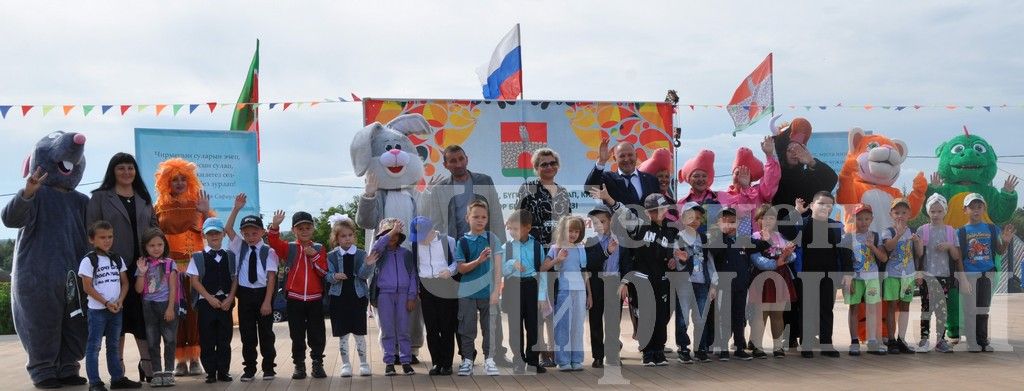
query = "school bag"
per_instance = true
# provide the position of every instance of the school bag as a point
(180, 296)
(94, 259)
(961, 235)
(199, 259)
(925, 234)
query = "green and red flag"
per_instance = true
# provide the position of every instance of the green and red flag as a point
(246, 115)
(754, 98)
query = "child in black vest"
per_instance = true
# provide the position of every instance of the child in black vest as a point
(214, 279)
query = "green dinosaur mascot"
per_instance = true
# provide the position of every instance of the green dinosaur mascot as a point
(967, 164)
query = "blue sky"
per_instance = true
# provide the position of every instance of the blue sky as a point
(871, 52)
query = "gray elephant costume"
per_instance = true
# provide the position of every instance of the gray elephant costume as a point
(45, 299)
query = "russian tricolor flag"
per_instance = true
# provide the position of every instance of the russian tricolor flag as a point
(502, 77)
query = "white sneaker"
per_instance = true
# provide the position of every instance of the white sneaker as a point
(346, 370)
(466, 368)
(923, 346)
(490, 367)
(364, 369)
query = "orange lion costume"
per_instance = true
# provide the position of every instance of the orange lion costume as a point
(181, 218)
(872, 167)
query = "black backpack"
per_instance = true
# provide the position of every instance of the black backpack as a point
(94, 259)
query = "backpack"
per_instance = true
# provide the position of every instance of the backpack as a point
(199, 259)
(447, 253)
(538, 253)
(925, 234)
(264, 253)
(180, 297)
(961, 235)
(94, 259)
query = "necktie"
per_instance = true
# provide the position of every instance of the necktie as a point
(252, 264)
(632, 189)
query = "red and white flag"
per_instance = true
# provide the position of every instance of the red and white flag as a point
(754, 97)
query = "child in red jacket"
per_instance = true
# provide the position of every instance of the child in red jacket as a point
(306, 263)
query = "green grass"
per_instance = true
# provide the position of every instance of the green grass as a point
(6, 320)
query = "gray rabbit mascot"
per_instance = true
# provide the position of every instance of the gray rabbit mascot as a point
(392, 166)
(45, 301)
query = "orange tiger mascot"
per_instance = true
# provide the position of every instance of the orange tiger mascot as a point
(872, 166)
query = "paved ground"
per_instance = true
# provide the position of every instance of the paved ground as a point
(960, 370)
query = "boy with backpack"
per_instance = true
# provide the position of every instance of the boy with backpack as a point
(105, 280)
(980, 243)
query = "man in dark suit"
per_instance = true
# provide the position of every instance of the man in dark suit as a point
(627, 186)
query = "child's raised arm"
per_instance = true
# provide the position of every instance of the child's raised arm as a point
(229, 226)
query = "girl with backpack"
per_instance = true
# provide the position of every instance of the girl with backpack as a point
(156, 279)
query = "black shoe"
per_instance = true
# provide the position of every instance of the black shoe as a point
(684, 357)
(211, 378)
(389, 370)
(540, 369)
(740, 354)
(598, 363)
(434, 371)
(446, 371)
(702, 356)
(50, 384)
(415, 360)
(73, 380)
(759, 354)
(648, 359)
(318, 371)
(548, 363)
(300, 372)
(124, 383)
(142, 374)
(247, 376)
(830, 353)
(502, 362)
(779, 353)
(408, 370)
(807, 354)
(519, 368)
(894, 348)
(902, 346)
(92, 387)
(223, 377)
(723, 355)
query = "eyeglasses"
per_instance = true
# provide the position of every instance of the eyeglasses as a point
(548, 164)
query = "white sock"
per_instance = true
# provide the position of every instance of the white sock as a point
(344, 348)
(361, 348)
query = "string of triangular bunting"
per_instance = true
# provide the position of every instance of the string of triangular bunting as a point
(175, 108)
(192, 108)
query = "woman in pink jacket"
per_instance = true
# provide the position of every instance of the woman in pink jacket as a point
(743, 194)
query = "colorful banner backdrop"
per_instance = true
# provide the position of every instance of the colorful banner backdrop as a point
(201, 108)
(226, 161)
(500, 136)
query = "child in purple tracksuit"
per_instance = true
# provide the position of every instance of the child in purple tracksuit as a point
(393, 290)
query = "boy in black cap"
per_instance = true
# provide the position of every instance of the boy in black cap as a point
(257, 277)
(653, 242)
(307, 266)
